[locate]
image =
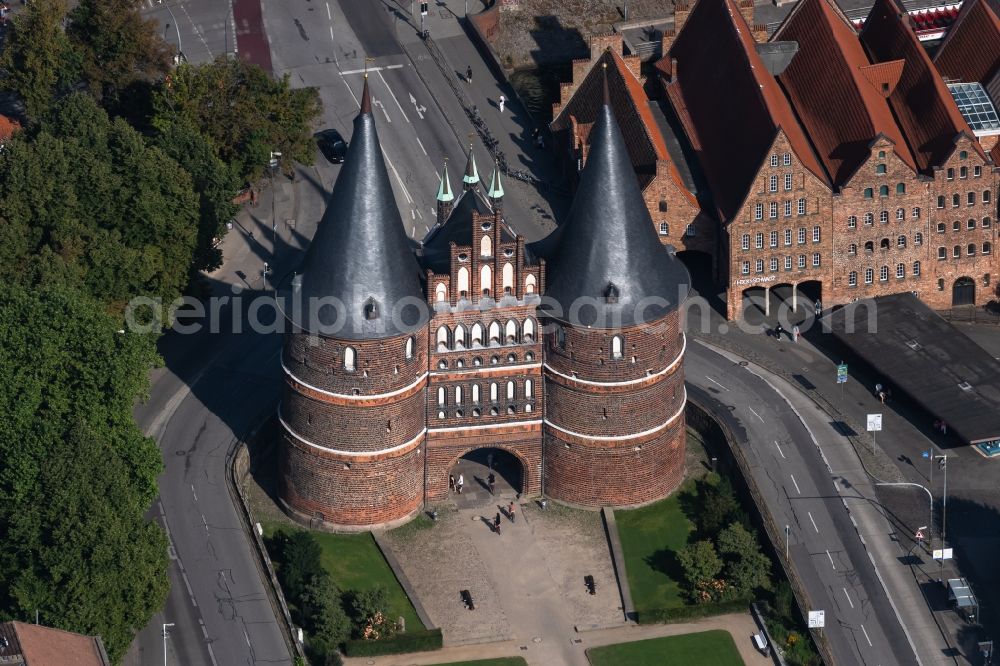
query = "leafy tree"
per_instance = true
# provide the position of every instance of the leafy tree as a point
(117, 45)
(325, 618)
(719, 506)
(38, 59)
(243, 112)
(369, 609)
(300, 563)
(699, 562)
(746, 568)
(78, 474)
(88, 202)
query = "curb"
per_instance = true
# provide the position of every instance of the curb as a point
(403, 580)
(618, 560)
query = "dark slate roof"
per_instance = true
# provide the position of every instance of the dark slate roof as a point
(917, 352)
(458, 229)
(608, 239)
(360, 251)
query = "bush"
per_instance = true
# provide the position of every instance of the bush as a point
(684, 613)
(414, 641)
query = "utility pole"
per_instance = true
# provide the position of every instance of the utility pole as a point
(165, 625)
(787, 532)
(944, 500)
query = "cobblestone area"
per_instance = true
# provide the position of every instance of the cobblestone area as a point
(546, 32)
(575, 546)
(440, 562)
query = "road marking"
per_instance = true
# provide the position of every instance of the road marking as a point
(413, 215)
(831, 560)
(332, 38)
(796, 485)
(866, 636)
(419, 214)
(380, 105)
(779, 449)
(247, 636)
(715, 382)
(755, 413)
(422, 147)
(370, 69)
(194, 493)
(848, 597)
(211, 654)
(809, 513)
(204, 522)
(420, 109)
(328, 15)
(187, 584)
(386, 83)
(406, 193)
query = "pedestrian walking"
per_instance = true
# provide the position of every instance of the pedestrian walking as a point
(778, 332)
(795, 333)
(510, 511)
(496, 523)
(881, 396)
(878, 389)
(944, 428)
(468, 74)
(503, 101)
(451, 482)
(491, 479)
(818, 308)
(460, 483)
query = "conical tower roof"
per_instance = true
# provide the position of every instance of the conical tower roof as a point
(444, 189)
(496, 187)
(360, 258)
(608, 268)
(471, 176)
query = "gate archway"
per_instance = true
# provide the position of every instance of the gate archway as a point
(476, 465)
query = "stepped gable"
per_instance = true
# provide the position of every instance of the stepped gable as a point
(607, 251)
(458, 229)
(730, 106)
(360, 254)
(923, 107)
(849, 110)
(971, 50)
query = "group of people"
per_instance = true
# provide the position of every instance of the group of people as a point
(779, 331)
(455, 485)
(510, 514)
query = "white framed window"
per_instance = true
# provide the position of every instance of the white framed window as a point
(664, 229)
(774, 239)
(916, 213)
(774, 264)
(442, 393)
(918, 239)
(788, 236)
(759, 265)
(869, 276)
(852, 279)
(774, 160)
(773, 210)
(852, 249)
(802, 261)
(816, 233)
(409, 347)
(852, 222)
(971, 250)
(529, 389)
(745, 242)
(802, 206)
(977, 171)
(942, 253)
(617, 347)
(788, 263)
(788, 208)
(916, 269)
(690, 230)
(956, 251)
(900, 270)
(869, 219)
(350, 359)
(745, 268)
(494, 392)
(759, 240)
(459, 395)
(900, 214)
(475, 394)
(772, 183)
(802, 235)
(986, 196)
(883, 217)
(883, 273)
(986, 248)
(788, 182)
(816, 259)
(758, 211)
(786, 159)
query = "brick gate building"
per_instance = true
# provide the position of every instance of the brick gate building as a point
(568, 356)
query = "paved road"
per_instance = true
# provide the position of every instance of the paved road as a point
(791, 473)
(204, 29)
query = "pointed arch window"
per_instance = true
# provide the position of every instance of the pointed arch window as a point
(494, 392)
(529, 389)
(441, 397)
(475, 394)
(617, 346)
(529, 330)
(350, 359)
(486, 247)
(486, 280)
(442, 338)
(529, 284)
(459, 337)
(495, 333)
(510, 332)
(440, 292)
(477, 334)
(409, 347)
(463, 282)
(510, 390)
(508, 278)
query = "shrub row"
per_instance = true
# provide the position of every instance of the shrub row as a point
(411, 641)
(660, 615)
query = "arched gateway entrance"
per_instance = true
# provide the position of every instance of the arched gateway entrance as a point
(475, 468)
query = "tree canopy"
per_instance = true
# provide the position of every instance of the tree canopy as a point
(78, 475)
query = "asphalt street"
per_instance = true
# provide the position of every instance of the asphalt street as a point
(203, 29)
(792, 474)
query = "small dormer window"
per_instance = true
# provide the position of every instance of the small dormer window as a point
(371, 309)
(611, 293)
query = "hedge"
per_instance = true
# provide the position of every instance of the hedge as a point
(659, 615)
(410, 641)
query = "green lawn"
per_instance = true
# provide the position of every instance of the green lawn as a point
(356, 563)
(707, 648)
(650, 536)
(503, 661)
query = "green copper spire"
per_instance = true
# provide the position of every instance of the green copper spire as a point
(471, 177)
(496, 187)
(444, 190)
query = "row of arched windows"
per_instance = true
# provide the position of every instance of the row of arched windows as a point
(970, 251)
(443, 363)
(478, 335)
(883, 274)
(970, 224)
(486, 282)
(496, 392)
(883, 190)
(956, 199)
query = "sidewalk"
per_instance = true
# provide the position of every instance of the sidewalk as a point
(836, 413)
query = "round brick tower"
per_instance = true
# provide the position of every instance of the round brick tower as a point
(355, 363)
(614, 380)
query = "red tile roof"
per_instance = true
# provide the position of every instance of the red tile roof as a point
(45, 646)
(7, 128)
(971, 51)
(923, 107)
(642, 135)
(838, 94)
(729, 104)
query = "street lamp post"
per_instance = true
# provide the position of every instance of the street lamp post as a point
(165, 625)
(177, 30)
(944, 500)
(930, 498)
(787, 532)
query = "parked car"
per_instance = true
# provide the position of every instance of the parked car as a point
(332, 145)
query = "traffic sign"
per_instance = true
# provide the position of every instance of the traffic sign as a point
(943, 554)
(842, 373)
(874, 422)
(817, 619)
(920, 535)
(423, 9)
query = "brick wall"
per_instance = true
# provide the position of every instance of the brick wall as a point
(663, 192)
(349, 491)
(594, 476)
